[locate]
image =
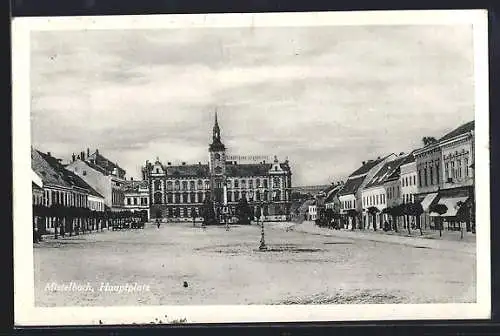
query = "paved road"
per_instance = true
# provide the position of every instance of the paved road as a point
(225, 267)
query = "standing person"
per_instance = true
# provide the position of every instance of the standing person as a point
(158, 223)
(193, 214)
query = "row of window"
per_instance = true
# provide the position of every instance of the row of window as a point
(408, 181)
(428, 176)
(135, 201)
(456, 169)
(393, 192)
(373, 200)
(408, 198)
(97, 206)
(277, 182)
(117, 197)
(348, 204)
(452, 171)
(232, 196)
(65, 198)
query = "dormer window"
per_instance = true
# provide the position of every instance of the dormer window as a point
(157, 170)
(275, 168)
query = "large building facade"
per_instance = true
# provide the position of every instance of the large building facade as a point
(178, 192)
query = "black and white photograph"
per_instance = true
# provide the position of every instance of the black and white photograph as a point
(177, 169)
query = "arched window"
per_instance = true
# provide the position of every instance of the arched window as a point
(236, 194)
(177, 198)
(193, 198)
(266, 195)
(157, 185)
(200, 184)
(170, 198)
(229, 198)
(158, 198)
(184, 185)
(191, 185)
(277, 196)
(185, 198)
(177, 185)
(243, 184)
(207, 184)
(169, 185)
(257, 184)
(200, 197)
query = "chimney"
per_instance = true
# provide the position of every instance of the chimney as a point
(402, 153)
(73, 157)
(169, 163)
(88, 152)
(363, 163)
(97, 151)
(199, 163)
(82, 154)
(184, 163)
(131, 178)
(48, 153)
(378, 157)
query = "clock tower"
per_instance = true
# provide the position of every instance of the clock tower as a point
(217, 164)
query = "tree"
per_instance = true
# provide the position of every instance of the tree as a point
(208, 212)
(415, 209)
(395, 212)
(440, 209)
(372, 211)
(243, 211)
(428, 140)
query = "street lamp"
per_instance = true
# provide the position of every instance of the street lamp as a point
(263, 246)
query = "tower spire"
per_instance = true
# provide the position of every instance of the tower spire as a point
(216, 138)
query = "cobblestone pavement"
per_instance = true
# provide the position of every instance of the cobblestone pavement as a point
(183, 265)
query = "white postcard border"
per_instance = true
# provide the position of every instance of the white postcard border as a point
(27, 314)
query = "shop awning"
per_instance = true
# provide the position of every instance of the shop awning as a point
(428, 200)
(452, 205)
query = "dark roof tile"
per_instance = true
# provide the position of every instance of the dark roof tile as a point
(467, 127)
(351, 186)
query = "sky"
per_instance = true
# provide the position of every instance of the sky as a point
(326, 98)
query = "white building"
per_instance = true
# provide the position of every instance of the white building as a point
(312, 212)
(136, 195)
(105, 177)
(350, 196)
(377, 196)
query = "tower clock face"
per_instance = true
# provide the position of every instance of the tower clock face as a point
(217, 156)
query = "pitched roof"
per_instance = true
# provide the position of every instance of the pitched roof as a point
(333, 193)
(106, 164)
(249, 169)
(134, 186)
(53, 172)
(467, 127)
(386, 172)
(49, 169)
(193, 170)
(351, 186)
(364, 169)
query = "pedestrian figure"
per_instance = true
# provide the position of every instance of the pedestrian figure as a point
(158, 223)
(386, 226)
